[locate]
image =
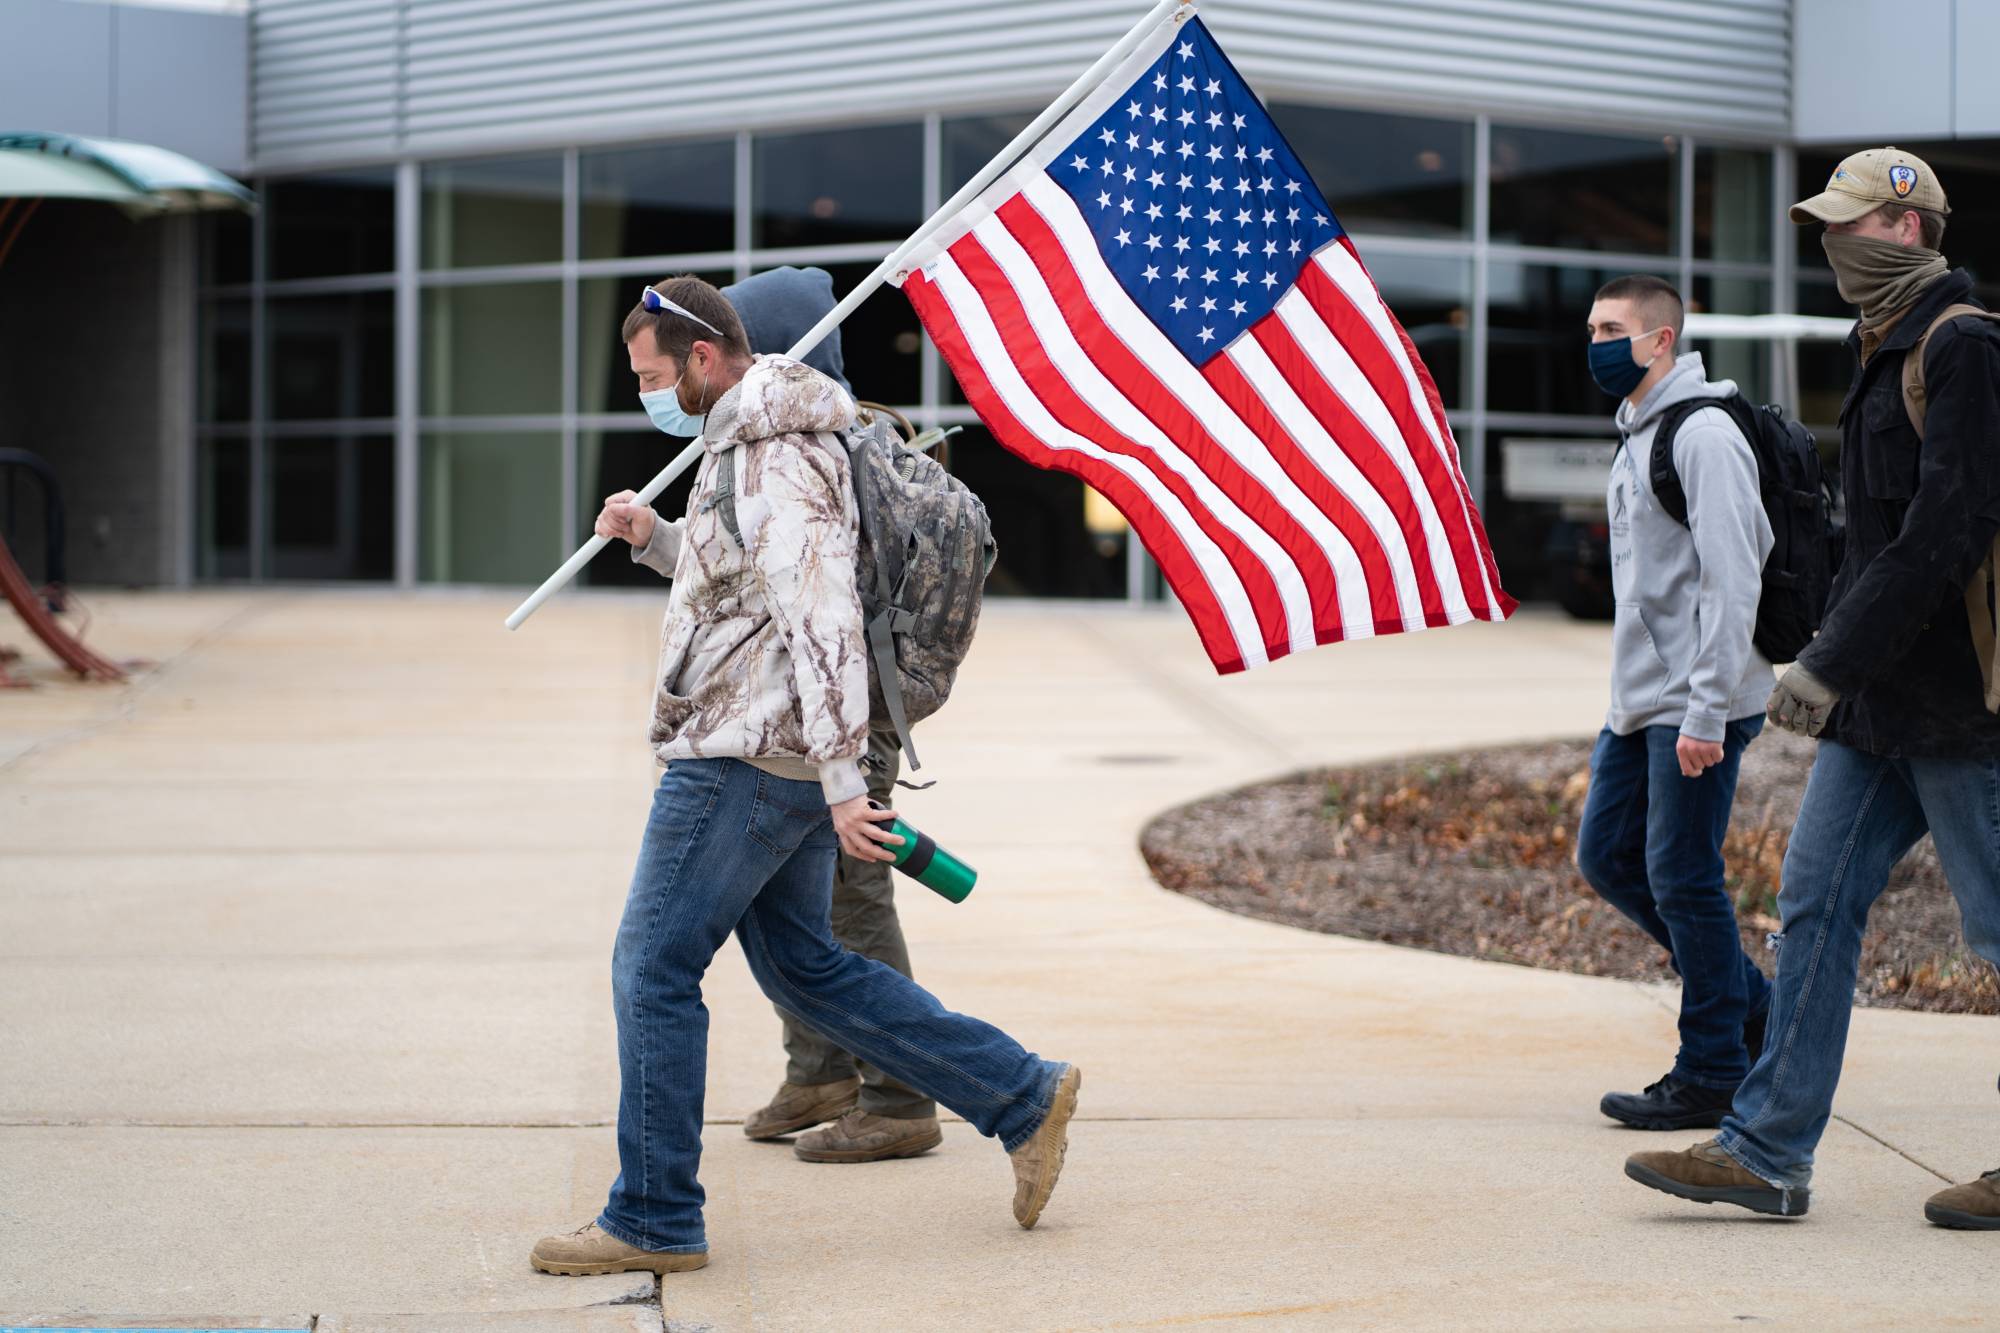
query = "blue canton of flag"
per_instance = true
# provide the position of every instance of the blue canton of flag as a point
(1200, 207)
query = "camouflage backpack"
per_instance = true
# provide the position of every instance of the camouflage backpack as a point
(925, 549)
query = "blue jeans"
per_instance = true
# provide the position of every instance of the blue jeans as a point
(1861, 814)
(1651, 845)
(727, 848)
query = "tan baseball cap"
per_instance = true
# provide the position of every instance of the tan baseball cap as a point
(1867, 180)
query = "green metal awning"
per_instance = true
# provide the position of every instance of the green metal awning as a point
(34, 175)
(66, 166)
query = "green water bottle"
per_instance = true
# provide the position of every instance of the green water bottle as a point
(929, 864)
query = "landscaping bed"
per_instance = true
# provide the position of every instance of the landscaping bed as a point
(1473, 854)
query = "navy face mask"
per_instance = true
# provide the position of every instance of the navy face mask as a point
(1612, 366)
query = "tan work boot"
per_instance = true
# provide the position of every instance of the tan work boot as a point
(801, 1106)
(860, 1136)
(590, 1250)
(1039, 1161)
(1706, 1174)
(1970, 1207)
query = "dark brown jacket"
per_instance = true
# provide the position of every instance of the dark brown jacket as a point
(1921, 517)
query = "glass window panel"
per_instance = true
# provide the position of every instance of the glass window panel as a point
(1733, 209)
(1046, 547)
(1432, 299)
(608, 384)
(1405, 175)
(1550, 537)
(225, 247)
(225, 361)
(836, 187)
(331, 225)
(1826, 367)
(494, 211)
(1745, 360)
(332, 507)
(663, 200)
(613, 461)
(222, 509)
(332, 356)
(1583, 191)
(492, 351)
(881, 343)
(491, 506)
(1537, 353)
(971, 142)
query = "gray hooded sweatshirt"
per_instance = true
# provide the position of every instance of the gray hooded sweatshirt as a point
(1687, 596)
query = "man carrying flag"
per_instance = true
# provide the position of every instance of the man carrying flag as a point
(761, 715)
(1155, 299)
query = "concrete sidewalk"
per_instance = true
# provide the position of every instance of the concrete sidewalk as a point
(305, 1010)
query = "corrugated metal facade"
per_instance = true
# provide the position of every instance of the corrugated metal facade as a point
(352, 80)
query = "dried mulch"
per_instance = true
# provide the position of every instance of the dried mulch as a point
(1472, 854)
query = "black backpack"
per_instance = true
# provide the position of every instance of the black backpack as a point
(1799, 503)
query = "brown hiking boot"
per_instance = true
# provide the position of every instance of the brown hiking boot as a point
(590, 1250)
(1039, 1161)
(1706, 1174)
(1972, 1207)
(801, 1106)
(860, 1136)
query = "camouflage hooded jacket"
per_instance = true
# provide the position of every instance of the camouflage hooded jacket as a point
(761, 653)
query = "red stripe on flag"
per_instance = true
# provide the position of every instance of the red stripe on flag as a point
(1063, 402)
(1365, 345)
(1244, 400)
(1353, 437)
(1164, 408)
(1499, 606)
(1154, 529)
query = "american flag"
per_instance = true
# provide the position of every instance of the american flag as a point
(1158, 300)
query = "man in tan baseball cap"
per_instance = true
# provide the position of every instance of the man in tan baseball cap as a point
(1884, 211)
(1900, 684)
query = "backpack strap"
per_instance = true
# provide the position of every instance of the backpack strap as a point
(1980, 613)
(723, 502)
(1914, 396)
(1979, 594)
(1662, 471)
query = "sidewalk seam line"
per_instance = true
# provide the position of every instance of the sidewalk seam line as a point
(1912, 1160)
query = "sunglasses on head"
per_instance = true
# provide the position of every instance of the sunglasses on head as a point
(653, 301)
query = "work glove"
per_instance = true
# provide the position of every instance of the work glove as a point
(1801, 703)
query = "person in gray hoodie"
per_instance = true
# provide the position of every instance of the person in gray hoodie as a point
(1688, 691)
(874, 1117)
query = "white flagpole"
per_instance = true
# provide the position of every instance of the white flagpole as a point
(949, 209)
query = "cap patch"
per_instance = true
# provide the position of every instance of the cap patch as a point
(1839, 174)
(1902, 180)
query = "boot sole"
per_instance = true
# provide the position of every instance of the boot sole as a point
(1957, 1221)
(661, 1264)
(908, 1148)
(1767, 1201)
(797, 1123)
(1057, 1126)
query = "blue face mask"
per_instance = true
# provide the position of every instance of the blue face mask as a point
(1612, 366)
(663, 406)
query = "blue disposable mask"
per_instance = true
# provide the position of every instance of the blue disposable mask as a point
(1612, 366)
(663, 406)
